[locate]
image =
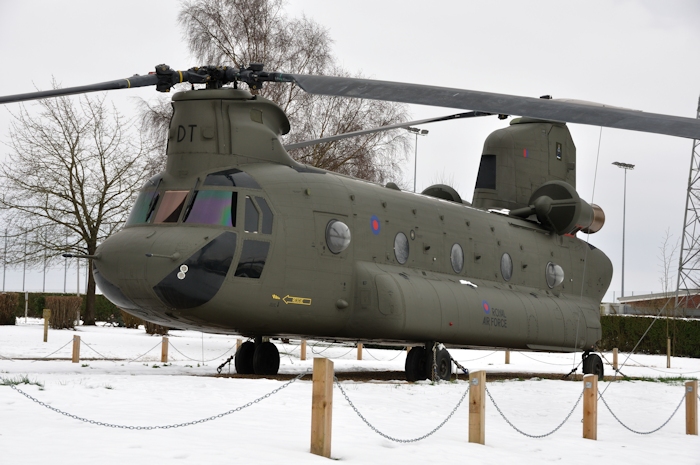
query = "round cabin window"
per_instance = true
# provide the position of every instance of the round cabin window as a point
(337, 236)
(506, 267)
(401, 248)
(554, 274)
(457, 258)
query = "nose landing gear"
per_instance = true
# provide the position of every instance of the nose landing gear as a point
(592, 365)
(259, 358)
(429, 362)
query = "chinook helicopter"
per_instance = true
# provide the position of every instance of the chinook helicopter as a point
(236, 237)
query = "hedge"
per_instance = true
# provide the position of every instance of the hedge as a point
(64, 309)
(8, 304)
(624, 332)
(104, 309)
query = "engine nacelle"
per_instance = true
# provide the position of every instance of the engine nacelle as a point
(559, 208)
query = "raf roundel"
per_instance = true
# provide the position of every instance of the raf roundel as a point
(375, 225)
(485, 304)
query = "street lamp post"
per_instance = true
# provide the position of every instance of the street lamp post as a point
(626, 167)
(417, 132)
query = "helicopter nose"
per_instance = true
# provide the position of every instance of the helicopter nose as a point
(111, 290)
(147, 271)
(196, 281)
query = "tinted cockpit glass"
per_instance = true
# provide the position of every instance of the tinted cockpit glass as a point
(213, 207)
(231, 178)
(143, 208)
(145, 202)
(171, 206)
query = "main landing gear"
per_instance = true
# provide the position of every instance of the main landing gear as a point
(259, 358)
(420, 361)
(592, 365)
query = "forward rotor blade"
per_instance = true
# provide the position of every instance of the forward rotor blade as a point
(134, 81)
(551, 110)
(346, 135)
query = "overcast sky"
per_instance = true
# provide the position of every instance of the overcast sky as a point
(634, 54)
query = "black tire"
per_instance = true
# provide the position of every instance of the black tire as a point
(593, 365)
(416, 365)
(266, 360)
(244, 358)
(444, 364)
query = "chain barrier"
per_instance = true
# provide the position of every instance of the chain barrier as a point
(390, 438)
(389, 360)
(313, 346)
(198, 360)
(459, 365)
(478, 358)
(635, 431)
(285, 351)
(92, 349)
(328, 347)
(148, 428)
(534, 436)
(616, 370)
(151, 350)
(641, 365)
(546, 363)
(435, 378)
(47, 356)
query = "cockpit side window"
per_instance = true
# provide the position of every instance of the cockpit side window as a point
(145, 202)
(213, 207)
(143, 208)
(251, 216)
(171, 206)
(266, 215)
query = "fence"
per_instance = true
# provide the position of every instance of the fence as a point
(323, 381)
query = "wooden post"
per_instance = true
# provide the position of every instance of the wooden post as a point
(164, 350)
(590, 407)
(615, 360)
(302, 354)
(691, 407)
(477, 407)
(507, 357)
(359, 351)
(76, 349)
(322, 407)
(239, 342)
(47, 318)
(668, 352)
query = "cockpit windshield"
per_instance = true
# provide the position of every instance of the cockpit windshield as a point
(213, 207)
(212, 202)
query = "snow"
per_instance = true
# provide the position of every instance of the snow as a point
(277, 429)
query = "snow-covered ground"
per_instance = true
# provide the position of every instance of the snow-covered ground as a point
(145, 392)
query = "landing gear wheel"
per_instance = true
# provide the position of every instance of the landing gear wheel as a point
(593, 365)
(417, 367)
(244, 358)
(266, 360)
(443, 364)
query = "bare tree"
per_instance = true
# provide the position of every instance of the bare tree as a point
(667, 258)
(73, 168)
(240, 32)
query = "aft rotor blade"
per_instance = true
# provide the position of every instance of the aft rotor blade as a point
(134, 81)
(346, 135)
(551, 110)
